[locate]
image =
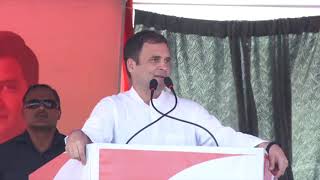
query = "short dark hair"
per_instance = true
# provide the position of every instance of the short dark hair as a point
(12, 45)
(40, 86)
(134, 45)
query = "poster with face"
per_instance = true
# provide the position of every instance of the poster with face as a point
(74, 46)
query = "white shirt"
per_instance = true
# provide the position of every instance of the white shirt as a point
(116, 118)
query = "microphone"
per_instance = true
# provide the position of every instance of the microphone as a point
(152, 86)
(169, 84)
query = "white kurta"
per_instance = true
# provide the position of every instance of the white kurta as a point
(116, 118)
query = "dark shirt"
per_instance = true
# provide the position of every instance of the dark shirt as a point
(19, 157)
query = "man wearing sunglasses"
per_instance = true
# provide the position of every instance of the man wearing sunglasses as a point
(41, 142)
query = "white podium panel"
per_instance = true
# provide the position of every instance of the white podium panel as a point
(138, 162)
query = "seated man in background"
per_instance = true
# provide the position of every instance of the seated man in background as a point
(41, 142)
(19, 68)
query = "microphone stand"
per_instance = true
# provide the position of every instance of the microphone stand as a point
(184, 121)
(152, 88)
(169, 84)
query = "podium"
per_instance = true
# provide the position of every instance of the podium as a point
(139, 162)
